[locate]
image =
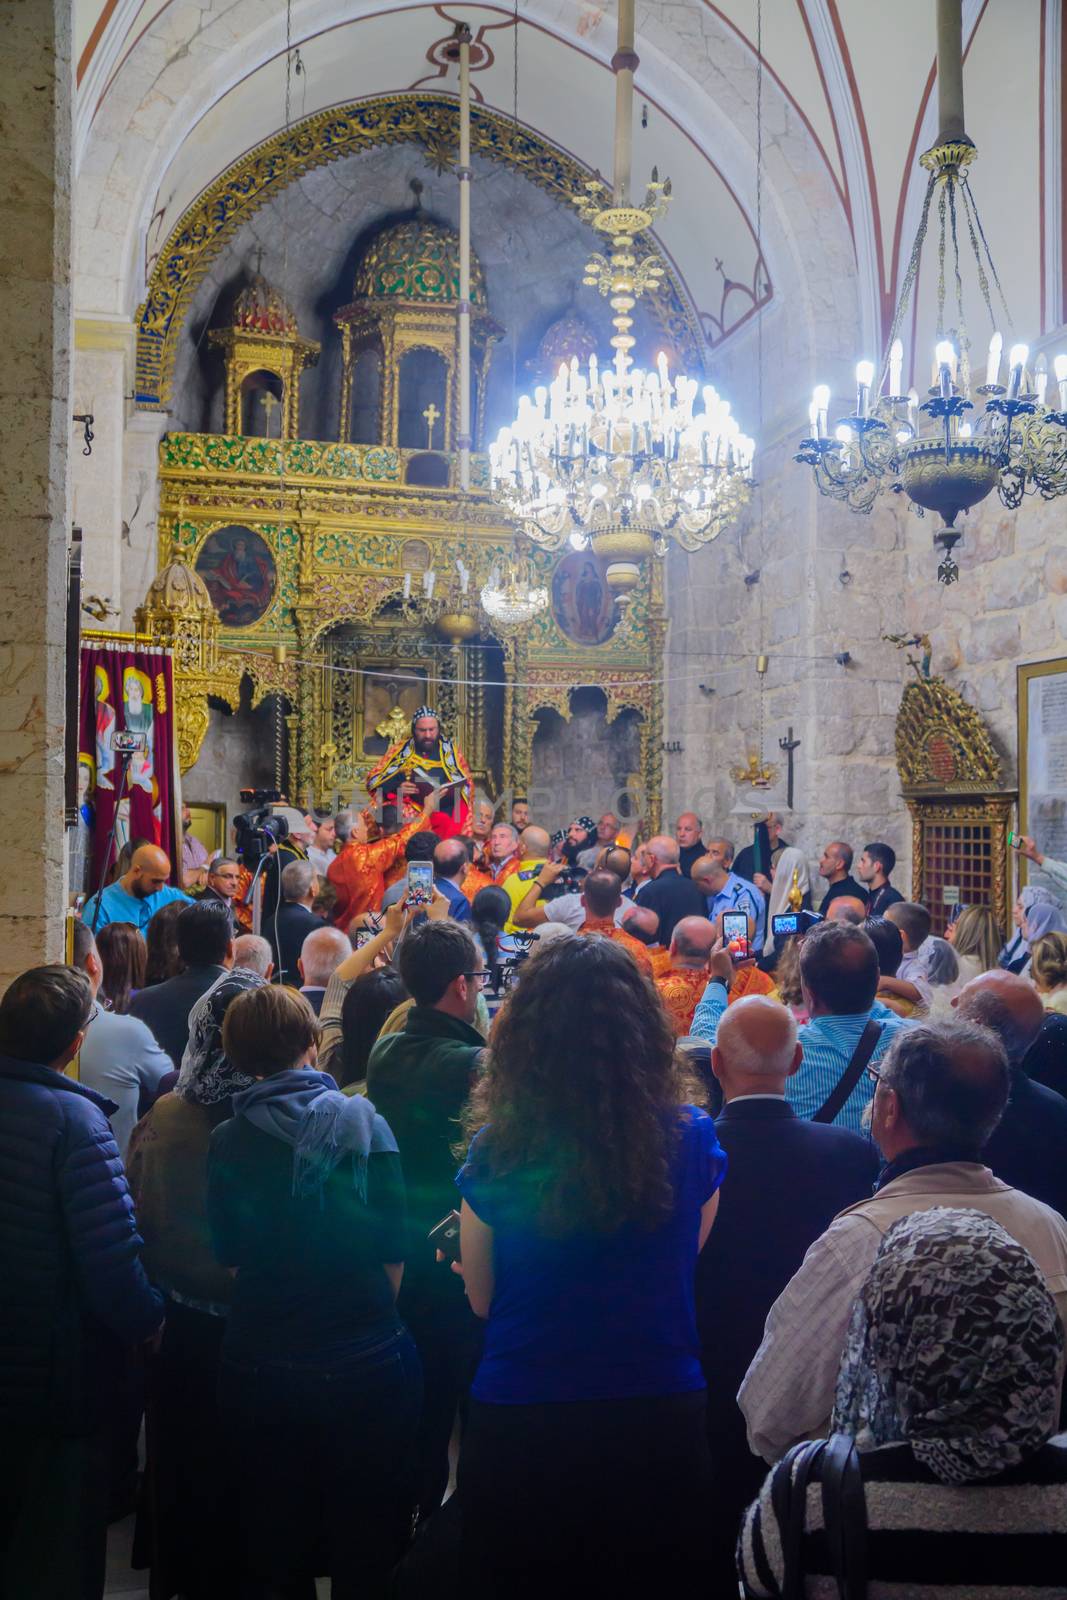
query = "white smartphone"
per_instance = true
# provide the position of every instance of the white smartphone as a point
(420, 883)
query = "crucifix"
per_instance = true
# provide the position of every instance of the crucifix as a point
(789, 744)
(268, 401)
(431, 414)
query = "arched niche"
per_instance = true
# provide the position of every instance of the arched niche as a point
(262, 402)
(366, 423)
(422, 387)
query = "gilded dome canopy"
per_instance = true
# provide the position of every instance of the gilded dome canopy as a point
(178, 589)
(567, 337)
(416, 260)
(261, 309)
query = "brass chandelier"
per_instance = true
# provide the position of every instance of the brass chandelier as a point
(621, 459)
(940, 451)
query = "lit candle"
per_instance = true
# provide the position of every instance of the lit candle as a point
(1040, 379)
(896, 367)
(913, 405)
(407, 586)
(1059, 367)
(813, 423)
(821, 396)
(1016, 366)
(943, 356)
(864, 379)
(992, 369)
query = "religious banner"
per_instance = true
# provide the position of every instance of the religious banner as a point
(126, 690)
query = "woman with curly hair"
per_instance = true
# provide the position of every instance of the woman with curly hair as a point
(589, 1188)
(161, 937)
(122, 956)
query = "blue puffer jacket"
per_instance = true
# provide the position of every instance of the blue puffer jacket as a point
(72, 1287)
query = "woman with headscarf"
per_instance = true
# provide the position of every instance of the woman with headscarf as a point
(790, 862)
(1016, 954)
(949, 1389)
(1040, 920)
(320, 1383)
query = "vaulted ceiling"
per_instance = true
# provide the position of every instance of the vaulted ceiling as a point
(171, 94)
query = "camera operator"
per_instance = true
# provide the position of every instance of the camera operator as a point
(566, 906)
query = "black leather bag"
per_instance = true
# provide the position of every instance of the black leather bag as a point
(834, 1463)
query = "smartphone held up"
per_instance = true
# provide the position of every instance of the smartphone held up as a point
(420, 884)
(735, 935)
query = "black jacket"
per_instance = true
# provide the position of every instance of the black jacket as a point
(1028, 1150)
(165, 1007)
(848, 885)
(671, 897)
(786, 1181)
(73, 1287)
(294, 923)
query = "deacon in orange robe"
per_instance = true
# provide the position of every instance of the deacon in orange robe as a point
(358, 872)
(601, 897)
(682, 982)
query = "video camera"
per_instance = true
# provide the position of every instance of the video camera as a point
(511, 951)
(256, 830)
(791, 923)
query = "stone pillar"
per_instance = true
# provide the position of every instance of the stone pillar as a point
(101, 352)
(35, 357)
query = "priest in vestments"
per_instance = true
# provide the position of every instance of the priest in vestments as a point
(416, 767)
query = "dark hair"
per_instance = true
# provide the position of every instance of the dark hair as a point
(888, 944)
(946, 1096)
(369, 1002)
(584, 1119)
(839, 966)
(602, 892)
(421, 846)
(161, 940)
(42, 1011)
(432, 955)
(490, 909)
(912, 919)
(266, 1029)
(450, 857)
(845, 854)
(82, 943)
(883, 854)
(203, 933)
(123, 957)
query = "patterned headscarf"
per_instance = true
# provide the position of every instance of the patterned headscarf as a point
(425, 711)
(954, 1347)
(206, 1076)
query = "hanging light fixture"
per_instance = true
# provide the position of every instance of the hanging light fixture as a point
(621, 459)
(512, 594)
(943, 458)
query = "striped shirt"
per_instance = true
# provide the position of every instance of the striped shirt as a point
(1005, 1539)
(828, 1043)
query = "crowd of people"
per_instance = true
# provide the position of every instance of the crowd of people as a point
(657, 1222)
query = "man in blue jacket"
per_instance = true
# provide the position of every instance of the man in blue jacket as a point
(74, 1292)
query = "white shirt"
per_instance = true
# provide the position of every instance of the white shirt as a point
(320, 860)
(121, 1059)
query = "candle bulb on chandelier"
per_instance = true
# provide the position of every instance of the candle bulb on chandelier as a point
(864, 379)
(407, 586)
(821, 400)
(896, 367)
(944, 355)
(992, 369)
(1040, 379)
(1059, 366)
(1016, 366)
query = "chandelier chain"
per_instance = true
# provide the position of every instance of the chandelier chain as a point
(972, 205)
(909, 277)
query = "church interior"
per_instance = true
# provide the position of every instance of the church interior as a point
(671, 395)
(245, 225)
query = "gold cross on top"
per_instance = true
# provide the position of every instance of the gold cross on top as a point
(431, 415)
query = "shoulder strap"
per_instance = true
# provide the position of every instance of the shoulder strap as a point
(844, 1510)
(866, 1045)
(789, 1496)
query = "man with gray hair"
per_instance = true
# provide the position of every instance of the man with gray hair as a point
(940, 1091)
(294, 921)
(787, 1180)
(667, 893)
(320, 956)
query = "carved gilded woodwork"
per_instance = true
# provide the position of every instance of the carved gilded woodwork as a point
(942, 744)
(429, 121)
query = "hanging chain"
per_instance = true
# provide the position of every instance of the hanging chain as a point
(759, 345)
(971, 207)
(909, 277)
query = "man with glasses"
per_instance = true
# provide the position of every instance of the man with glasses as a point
(121, 1058)
(75, 1293)
(419, 1080)
(939, 1093)
(223, 885)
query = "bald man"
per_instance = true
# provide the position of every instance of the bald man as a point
(687, 831)
(320, 956)
(682, 983)
(835, 865)
(668, 893)
(534, 845)
(846, 908)
(137, 895)
(1028, 1150)
(787, 1179)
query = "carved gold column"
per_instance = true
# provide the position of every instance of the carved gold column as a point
(344, 427)
(508, 757)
